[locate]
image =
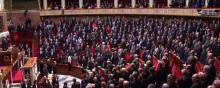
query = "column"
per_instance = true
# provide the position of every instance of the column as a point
(133, 3)
(206, 3)
(7, 83)
(80, 3)
(169, 2)
(11, 77)
(39, 4)
(116, 3)
(63, 3)
(32, 75)
(1, 84)
(98, 3)
(45, 4)
(187, 3)
(151, 3)
(2, 5)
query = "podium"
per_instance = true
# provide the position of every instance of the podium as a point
(9, 57)
(30, 69)
(9, 66)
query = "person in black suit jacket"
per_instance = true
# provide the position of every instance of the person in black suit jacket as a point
(65, 85)
(74, 83)
(196, 81)
(45, 70)
(55, 81)
(54, 68)
(46, 83)
(36, 84)
(185, 81)
(209, 75)
(25, 84)
(4, 44)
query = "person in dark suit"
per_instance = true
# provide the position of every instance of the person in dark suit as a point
(54, 67)
(55, 81)
(36, 84)
(209, 75)
(65, 85)
(25, 84)
(11, 27)
(45, 70)
(161, 75)
(4, 44)
(185, 81)
(49, 65)
(196, 81)
(74, 83)
(46, 83)
(171, 80)
(40, 67)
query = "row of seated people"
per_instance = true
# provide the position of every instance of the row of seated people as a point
(74, 4)
(124, 48)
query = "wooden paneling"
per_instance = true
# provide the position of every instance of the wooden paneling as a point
(5, 58)
(8, 4)
(31, 61)
(18, 16)
(1, 23)
(74, 71)
(6, 70)
(24, 4)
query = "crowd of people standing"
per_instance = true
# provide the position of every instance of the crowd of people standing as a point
(131, 51)
(119, 51)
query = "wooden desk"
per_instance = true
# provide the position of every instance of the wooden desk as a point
(75, 71)
(6, 70)
(31, 68)
(31, 61)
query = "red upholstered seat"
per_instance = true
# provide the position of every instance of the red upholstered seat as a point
(17, 76)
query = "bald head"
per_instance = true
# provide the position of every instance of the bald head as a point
(126, 84)
(165, 85)
(216, 84)
(151, 86)
(195, 77)
(210, 86)
(111, 86)
(206, 68)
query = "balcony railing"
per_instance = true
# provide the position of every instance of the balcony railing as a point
(122, 11)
